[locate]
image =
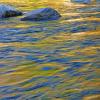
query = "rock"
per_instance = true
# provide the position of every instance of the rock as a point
(8, 11)
(82, 1)
(42, 14)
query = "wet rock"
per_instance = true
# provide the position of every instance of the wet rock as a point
(8, 11)
(82, 1)
(42, 14)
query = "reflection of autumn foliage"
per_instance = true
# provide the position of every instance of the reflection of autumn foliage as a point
(28, 4)
(55, 4)
(62, 6)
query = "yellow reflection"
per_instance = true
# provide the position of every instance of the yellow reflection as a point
(92, 97)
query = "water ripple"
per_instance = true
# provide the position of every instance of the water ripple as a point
(54, 60)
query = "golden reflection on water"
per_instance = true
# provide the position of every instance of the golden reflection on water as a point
(19, 73)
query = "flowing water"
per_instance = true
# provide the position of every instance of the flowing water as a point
(53, 60)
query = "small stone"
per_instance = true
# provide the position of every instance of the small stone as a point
(8, 11)
(42, 14)
(82, 1)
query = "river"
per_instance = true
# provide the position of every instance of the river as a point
(53, 60)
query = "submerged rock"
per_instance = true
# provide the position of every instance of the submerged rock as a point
(42, 14)
(8, 11)
(82, 1)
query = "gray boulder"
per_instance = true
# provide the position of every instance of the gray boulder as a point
(42, 14)
(8, 11)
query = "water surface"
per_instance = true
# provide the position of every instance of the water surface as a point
(53, 60)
